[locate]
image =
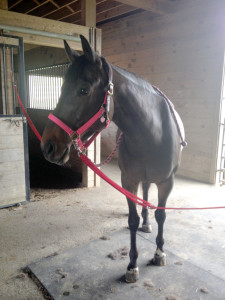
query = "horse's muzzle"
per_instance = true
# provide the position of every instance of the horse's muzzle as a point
(51, 154)
(49, 150)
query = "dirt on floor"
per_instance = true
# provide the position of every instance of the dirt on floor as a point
(56, 220)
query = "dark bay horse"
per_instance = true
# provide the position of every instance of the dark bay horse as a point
(150, 149)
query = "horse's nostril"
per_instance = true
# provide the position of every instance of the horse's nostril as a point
(49, 148)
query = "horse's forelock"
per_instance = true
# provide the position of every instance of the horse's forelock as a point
(81, 68)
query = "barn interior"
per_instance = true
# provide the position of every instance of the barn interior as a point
(176, 45)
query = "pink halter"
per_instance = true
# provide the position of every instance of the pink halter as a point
(76, 135)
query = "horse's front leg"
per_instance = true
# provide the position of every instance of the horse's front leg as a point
(164, 190)
(132, 273)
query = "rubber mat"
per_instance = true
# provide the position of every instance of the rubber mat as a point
(96, 271)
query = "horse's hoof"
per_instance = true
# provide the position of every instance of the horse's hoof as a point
(146, 228)
(132, 275)
(159, 259)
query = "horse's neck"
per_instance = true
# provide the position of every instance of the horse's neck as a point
(135, 107)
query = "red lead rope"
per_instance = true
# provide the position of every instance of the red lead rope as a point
(27, 116)
(131, 196)
(94, 168)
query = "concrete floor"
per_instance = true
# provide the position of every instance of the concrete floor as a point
(57, 220)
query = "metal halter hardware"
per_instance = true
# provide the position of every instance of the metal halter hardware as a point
(110, 88)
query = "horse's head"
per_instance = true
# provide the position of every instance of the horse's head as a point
(81, 97)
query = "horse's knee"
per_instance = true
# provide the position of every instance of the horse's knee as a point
(160, 216)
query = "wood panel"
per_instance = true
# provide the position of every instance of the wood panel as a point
(182, 54)
(4, 4)
(114, 12)
(44, 25)
(44, 56)
(12, 167)
(21, 20)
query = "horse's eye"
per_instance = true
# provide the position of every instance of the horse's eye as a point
(83, 91)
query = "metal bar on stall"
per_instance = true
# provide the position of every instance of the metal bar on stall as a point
(22, 90)
(41, 33)
(22, 83)
(5, 87)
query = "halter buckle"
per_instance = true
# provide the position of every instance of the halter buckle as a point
(110, 88)
(74, 136)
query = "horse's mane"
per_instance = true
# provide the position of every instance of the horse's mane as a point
(136, 79)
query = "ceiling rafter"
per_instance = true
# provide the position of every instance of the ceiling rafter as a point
(54, 3)
(14, 4)
(155, 6)
(68, 6)
(70, 11)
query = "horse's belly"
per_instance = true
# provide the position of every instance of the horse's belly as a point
(147, 163)
(149, 170)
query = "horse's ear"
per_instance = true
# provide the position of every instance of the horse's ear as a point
(89, 53)
(71, 54)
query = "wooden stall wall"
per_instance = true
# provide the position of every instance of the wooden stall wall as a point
(181, 53)
(12, 168)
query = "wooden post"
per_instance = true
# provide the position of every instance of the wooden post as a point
(4, 4)
(2, 95)
(9, 79)
(89, 178)
(6, 96)
(6, 80)
(88, 13)
(97, 145)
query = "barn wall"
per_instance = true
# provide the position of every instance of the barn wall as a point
(182, 54)
(44, 56)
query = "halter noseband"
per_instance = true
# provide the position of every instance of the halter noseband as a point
(102, 115)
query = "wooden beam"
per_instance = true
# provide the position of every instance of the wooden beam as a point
(88, 13)
(9, 41)
(156, 6)
(45, 25)
(45, 41)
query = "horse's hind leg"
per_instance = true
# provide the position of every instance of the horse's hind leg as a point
(132, 273)
(146, 226)
(164, 190)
